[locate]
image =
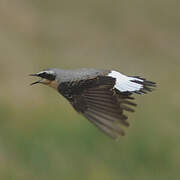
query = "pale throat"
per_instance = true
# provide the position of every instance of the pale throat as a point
(53, 84)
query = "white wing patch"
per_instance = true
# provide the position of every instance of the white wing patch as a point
(124, 83)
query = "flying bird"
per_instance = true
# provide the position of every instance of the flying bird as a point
(102, 96)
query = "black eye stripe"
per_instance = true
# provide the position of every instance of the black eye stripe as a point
(48, 76)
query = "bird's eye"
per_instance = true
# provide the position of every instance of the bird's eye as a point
(48, 76)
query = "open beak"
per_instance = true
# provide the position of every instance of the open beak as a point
(36, 82)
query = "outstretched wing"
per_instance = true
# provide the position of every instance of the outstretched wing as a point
(103, 103)
(105, 109)
(100, 103)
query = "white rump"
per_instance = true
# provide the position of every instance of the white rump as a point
(124, 83)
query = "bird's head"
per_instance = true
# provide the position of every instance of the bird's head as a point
(47, 77)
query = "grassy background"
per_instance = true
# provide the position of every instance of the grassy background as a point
(41, 137)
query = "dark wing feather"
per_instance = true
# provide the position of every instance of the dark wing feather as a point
(101, 103)
(104, 108)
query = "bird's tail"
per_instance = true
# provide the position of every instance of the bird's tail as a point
(131, 84)
(145, 85)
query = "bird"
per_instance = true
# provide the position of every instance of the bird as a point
(102, 96)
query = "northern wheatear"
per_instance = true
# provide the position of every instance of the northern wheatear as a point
(101, 96)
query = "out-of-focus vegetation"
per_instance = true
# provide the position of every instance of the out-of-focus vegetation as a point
(41, 137)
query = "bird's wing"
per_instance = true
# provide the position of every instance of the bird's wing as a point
(104, 99)
(103, 106)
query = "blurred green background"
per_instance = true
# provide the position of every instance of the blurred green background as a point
(41, 137)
